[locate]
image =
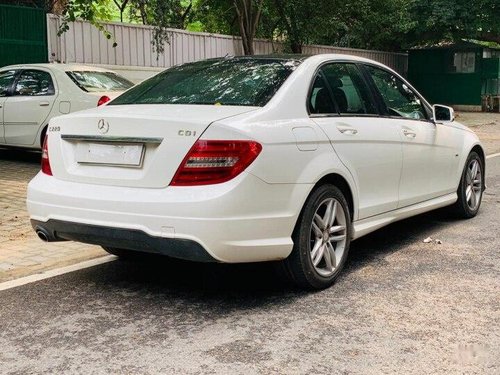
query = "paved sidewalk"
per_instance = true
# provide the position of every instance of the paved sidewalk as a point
(21, 251)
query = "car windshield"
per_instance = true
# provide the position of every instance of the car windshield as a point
(90, 81)
(228, 81)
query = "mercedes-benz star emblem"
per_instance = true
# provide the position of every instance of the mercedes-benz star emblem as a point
(103, 126)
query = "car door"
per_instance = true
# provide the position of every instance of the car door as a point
(430, 152)
(27, 109)
(7, 78)
(341, 103)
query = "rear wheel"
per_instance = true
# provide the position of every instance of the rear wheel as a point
(470, 190)
(321, 239)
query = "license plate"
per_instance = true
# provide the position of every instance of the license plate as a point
(110, 154)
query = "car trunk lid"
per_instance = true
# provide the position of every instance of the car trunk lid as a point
(129, 145)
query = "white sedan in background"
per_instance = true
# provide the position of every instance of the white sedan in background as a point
(31, 94)
(253, 159)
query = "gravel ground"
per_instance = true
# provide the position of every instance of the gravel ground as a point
(486, 126)
(401, 306)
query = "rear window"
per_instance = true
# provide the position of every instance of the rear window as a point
(242, 82)
(90, 81)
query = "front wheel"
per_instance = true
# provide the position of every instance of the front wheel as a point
(470, 190)
(321, 239)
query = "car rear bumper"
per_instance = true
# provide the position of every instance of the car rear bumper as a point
(243, 220)
(122, 239)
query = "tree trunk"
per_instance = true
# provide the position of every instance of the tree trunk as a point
(248, 13)
(290, 25)
(296, 46)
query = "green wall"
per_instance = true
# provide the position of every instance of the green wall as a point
(23, 35)
(427, 71)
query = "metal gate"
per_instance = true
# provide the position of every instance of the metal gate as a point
(23, 35)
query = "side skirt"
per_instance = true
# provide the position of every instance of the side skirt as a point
(370, 224)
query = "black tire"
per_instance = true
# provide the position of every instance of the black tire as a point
(461, 208)
(299, 264)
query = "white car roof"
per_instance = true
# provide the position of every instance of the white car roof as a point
(60, 67)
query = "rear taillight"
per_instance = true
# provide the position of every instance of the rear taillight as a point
(45, 157)
(103, 100)
(213, 162)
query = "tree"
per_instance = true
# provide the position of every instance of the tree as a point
(393, 25)
(248, 13)
(455, 19)
(121, 7)
(301, 21)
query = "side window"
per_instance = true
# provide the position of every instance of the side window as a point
(320, 100)
(349, 90)
(398, 98)
(6, 80)
(34, 83)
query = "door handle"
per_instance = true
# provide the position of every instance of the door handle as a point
(347, 130)
(44, 104)
(409, 133)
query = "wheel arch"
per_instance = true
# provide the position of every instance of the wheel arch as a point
(340, 182)
(480, 151)
(42, 134)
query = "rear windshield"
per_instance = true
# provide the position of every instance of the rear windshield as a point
(242, 82)
(99, 81)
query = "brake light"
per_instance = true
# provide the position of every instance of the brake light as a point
(103, 100)
(214, 162)
(45, 157)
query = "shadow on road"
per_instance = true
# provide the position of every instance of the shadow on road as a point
(20, 155)
(264, 281)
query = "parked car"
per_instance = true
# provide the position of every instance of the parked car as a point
(254, 159)
(30, 95)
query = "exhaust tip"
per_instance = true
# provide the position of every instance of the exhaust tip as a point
(43, 235)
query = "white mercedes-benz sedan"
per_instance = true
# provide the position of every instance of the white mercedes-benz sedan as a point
(31, 94)
(249, 159)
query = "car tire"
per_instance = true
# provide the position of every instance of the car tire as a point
(321, 239)
(471, 187)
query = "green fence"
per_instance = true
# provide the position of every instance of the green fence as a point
(23, 35)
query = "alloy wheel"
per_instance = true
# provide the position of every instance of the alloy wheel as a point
(328, 237)
(474, 184)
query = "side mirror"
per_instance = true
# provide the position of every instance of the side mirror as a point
(442, 113)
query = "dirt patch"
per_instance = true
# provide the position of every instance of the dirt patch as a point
(486, 126)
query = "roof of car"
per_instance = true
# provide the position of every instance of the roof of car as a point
(57, 66)
(298, 58)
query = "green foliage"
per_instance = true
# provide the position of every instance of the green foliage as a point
(436, 20)
(90, 10)
(374, 24)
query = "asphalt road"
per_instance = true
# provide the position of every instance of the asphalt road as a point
(401, 306)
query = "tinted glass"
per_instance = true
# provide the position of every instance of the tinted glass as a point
(6, 80)
(99, 81)
(34, 83)
(249, 82)
(320, 100)
(399, 99)
(349, 90)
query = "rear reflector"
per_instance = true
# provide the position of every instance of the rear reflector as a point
(103, 100)
(214, 162)
(45, 157)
